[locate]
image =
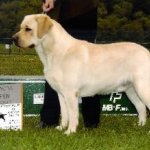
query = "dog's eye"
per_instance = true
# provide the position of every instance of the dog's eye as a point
(28, 29)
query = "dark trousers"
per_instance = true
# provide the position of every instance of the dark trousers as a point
(50, 112)
(81, 27)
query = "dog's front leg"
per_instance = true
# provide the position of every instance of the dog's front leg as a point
(64, 113)
(73, 112)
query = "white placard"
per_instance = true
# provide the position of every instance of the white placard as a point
(11, 106)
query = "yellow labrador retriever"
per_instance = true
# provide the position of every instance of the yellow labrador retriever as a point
(77, 68)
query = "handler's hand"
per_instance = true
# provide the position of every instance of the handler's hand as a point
(48, 5)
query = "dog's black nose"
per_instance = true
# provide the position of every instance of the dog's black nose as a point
(15, 38)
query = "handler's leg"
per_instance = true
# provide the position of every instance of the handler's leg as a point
(91, 111)
(50, 111)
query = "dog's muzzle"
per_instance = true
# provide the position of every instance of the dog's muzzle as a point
(15, 39)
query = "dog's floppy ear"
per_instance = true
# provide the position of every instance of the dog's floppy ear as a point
(44, 24)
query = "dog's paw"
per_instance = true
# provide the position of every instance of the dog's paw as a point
(142, 121)
(69, 131)
(60, 128)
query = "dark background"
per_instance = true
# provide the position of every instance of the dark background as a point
(118, 20)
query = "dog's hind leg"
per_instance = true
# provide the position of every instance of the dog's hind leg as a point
(64, 113)
(139, 105)
(73, 112)
(143, 89)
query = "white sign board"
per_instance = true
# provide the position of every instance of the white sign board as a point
(11, 106)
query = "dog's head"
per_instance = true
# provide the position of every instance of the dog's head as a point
(32, 29)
